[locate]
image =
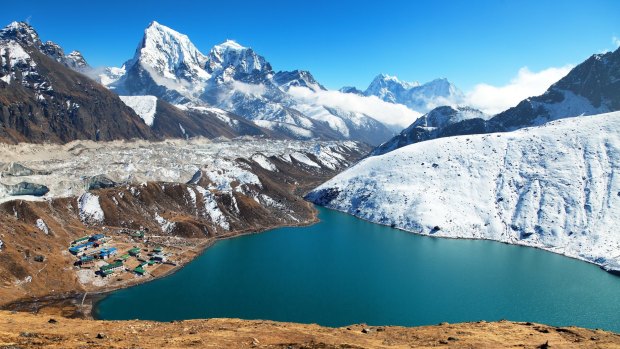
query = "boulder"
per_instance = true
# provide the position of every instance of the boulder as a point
(99, 182)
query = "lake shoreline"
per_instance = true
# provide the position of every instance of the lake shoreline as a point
(612, 271)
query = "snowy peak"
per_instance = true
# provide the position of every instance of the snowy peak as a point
(297, 78)
(421, 98)
(21, 32)
(76, 61)
(389, 88)
(169, 54)
(231, 61)
(73, 60)
(229, 45)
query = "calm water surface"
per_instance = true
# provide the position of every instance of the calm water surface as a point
(344, 270)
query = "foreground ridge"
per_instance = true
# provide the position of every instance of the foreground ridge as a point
(35, 331)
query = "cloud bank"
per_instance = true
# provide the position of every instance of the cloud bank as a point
(395, 115)
(494, 99)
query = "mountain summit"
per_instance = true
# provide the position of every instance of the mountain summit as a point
(237, 79)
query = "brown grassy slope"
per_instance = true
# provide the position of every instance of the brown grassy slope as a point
(21, 330)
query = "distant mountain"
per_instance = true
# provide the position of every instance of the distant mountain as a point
(351, 89)
(42, 100)
(592, 87)
(235, 78)
(419, 97)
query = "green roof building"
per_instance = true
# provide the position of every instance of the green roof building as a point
(82, 239)
(134, 251)
(112, 267)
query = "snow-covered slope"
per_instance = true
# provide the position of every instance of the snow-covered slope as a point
(554, 187)
(144, 106)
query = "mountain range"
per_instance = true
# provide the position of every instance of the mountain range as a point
(416, 96)
(46, 97)
(592, 87)
(230, 91)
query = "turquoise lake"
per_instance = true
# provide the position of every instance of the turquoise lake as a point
(344, 270)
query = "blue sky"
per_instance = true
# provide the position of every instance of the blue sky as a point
(348, 42)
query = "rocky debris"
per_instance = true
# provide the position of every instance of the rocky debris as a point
(99, 182)
(24, 188)
(15, 169)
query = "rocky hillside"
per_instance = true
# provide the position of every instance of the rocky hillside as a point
(592, 87)
(182, 194)
(429, 126)
(21, 330)
(41, 100)
(553, 187)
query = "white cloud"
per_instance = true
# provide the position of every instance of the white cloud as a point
(616, 41)
(494, 99)
(255, 90)
(396, 115)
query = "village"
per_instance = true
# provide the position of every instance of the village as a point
(106, 257)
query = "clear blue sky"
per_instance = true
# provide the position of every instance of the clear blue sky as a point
(347, 42)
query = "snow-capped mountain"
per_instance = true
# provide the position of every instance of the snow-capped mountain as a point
(553, 187)
(419, 97)
(166, 64)
(430, 124)
(42, 100)
(592, 87)
(236, 79)
(298, 78)
(24, 34)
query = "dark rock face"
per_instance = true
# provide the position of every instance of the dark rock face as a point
(170, 121)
